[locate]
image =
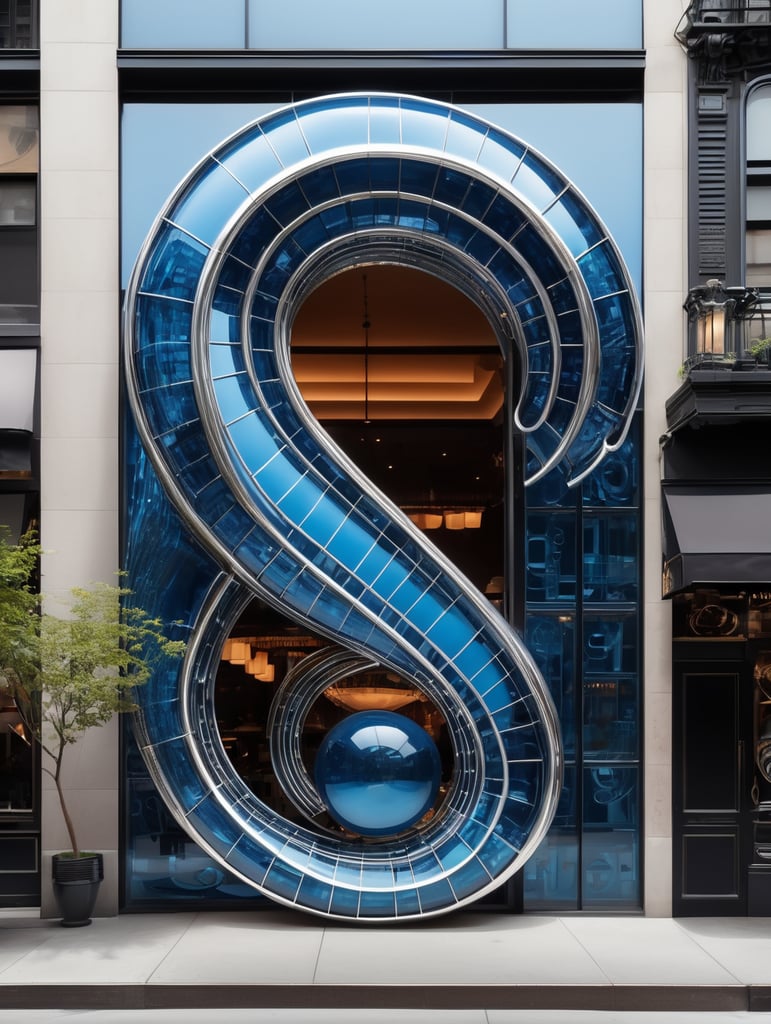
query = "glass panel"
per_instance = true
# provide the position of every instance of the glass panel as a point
(610, 557)
(551, 641)
(551, 874)
(610, 841)
(593, 24)
(183, 24)
(16, 762)
(17, 202)
(759, 203)
(162, 862)
(19, 140)
(610, 719)
(615, 482)
(609, 644)
(402, 24)
(758, 258)
(551, 557)
(18, 370)
(18, 24)
(12, 515)
(758, 117)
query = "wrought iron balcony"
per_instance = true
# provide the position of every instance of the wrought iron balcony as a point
(726, 35)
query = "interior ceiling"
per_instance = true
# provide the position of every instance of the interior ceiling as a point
(428, 353)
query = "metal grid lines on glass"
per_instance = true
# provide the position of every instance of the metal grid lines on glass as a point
(291, 521)
(583, 573)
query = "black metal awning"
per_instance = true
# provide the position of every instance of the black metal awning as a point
(716, 536)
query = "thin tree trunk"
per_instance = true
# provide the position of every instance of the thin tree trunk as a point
(66, 816)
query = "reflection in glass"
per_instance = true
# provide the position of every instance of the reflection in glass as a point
(16, 762)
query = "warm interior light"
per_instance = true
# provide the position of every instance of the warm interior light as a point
(240, 651)
(371, 698)
(426, 520)
(472, 520)
(257, 663)
(267, 675)
(455, 520)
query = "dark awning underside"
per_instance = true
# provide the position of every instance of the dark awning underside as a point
(716, 536)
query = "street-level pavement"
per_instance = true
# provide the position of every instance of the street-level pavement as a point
(465, 968)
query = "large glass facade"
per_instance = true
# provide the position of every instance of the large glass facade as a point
(347, 25)
(460, 215)
(584, 629)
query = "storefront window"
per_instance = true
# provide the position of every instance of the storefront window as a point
(19, 290)
(579, 560)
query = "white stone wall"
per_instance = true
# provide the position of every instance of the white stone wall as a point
(79, 372)
(665, 287)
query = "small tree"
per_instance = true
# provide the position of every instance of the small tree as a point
(71, 672)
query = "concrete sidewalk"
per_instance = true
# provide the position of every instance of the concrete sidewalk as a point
(280, 959)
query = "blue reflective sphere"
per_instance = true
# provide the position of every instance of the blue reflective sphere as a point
(377, 772)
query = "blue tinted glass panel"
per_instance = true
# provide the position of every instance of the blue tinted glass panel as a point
(402, 24)
(551, 640)
(182, 24)
(610, 841)
(551, 875)
(610, 718)
(610, 644)
(207, 207)
(555, 24)
(610, 557)
(550, 557)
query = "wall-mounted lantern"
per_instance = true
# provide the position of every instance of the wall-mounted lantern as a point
(716, 315)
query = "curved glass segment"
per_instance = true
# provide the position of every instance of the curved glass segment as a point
(288, 517)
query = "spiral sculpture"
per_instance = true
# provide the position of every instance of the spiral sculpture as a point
(283, 514)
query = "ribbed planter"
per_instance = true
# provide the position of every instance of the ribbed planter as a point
(76, 883)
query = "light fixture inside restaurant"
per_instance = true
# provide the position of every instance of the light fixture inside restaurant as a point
(452, 518)
(242, 650)
(371, 698)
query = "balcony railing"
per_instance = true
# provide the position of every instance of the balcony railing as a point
(18, 24)
(705, 15)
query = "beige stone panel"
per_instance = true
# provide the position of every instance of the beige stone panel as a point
(665, 329)
(80, 130)
(75, 20)
(80, 328)
(94, 813)
(658, 730)
(664, 194)
(80, 194)
(658, 877)
(664, 128)
(81, 546)
(663, 255)
(658, 631)
(90, 763)
(658, 800)
(79, 474)
(79, 400)
(665, 66)
(78, 66)
(79, 255)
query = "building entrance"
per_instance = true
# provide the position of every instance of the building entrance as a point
(722, 737)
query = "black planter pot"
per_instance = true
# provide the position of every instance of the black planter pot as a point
(76, 884)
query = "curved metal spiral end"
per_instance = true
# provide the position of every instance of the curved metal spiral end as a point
(286, 516)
